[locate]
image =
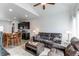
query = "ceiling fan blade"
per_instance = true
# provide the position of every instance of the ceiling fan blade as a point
(37, 4)
(51, 3)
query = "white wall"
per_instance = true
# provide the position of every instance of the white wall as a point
(58, 23)
(6, 25)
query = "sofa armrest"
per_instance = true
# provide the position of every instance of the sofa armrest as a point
(59, 46)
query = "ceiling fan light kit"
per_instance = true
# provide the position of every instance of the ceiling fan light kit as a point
(43, 4)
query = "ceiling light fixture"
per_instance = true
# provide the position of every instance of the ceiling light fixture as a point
(10, 10)
(43, 3)
(26, 15)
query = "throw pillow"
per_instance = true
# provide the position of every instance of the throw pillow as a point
(57, 40)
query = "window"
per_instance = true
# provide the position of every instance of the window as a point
(1, 28)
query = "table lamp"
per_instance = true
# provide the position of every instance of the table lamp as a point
(1, 28)
(68, 33)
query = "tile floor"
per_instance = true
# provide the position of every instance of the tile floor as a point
(20, 51)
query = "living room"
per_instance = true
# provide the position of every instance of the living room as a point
(50, 26)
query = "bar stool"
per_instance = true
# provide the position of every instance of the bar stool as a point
(16, 38)
(6, 39)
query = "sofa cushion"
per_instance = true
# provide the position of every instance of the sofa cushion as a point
(48, 41)
(59, 46)
(45, 37)
(55, 52)
(57, 40)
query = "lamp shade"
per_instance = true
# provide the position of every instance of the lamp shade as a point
(36, 31)
(68, 32)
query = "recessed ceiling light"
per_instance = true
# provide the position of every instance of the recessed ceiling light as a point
(26, 15)
(10, 10)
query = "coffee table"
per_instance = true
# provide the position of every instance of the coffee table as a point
(34, 47)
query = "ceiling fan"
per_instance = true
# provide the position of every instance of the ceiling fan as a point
(43, 4)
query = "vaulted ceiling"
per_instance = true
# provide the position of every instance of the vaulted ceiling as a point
(54, 9)
(18, 11)
(22, 9)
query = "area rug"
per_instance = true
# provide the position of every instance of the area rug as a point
(20, 51)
